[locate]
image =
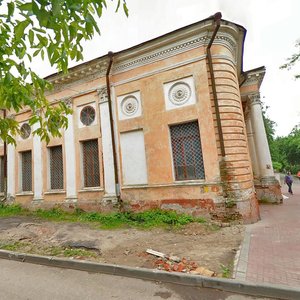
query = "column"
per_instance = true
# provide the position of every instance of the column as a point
(37, 167)
(108, 160)
(260, 139)
(69, 142)
(252, 149)
(11, 176)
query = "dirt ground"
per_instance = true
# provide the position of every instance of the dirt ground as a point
(207, 246)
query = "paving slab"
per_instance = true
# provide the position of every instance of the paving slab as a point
(270, 252)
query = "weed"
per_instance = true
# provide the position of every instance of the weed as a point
(226, 271)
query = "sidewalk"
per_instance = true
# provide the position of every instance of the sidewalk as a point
(271, 249)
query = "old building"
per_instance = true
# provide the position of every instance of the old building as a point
(174, 122)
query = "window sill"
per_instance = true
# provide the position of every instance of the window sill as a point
(24, 194)
(55, 192)
(91, 189)
(174, 184)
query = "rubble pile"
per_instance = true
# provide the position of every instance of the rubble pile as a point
(176, 264)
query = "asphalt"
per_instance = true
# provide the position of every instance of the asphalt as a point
(268, 264)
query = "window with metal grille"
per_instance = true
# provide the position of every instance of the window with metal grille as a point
(187, 152)
(87, 115)
(91, 163)
(1, 174)
(26, 162)
(56, 168)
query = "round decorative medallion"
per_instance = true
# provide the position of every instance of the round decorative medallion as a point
(87, 115)
(129, 105)
(179, 93)
(25, 131)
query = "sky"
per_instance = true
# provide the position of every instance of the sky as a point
(272, 30)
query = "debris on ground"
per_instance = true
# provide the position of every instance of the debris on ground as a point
(174, 263)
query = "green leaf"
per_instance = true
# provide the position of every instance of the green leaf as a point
(125, 8)
(26, 7)
(56, 7)
(20, 28)
(11, 9)
(119, 2)
(31, 37)
(43, 40)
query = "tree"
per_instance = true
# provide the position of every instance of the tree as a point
(50, 29)
(291, 61)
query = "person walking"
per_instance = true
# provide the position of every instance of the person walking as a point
(288, 179)
(298, 175)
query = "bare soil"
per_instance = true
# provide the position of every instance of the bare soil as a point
(208, 246)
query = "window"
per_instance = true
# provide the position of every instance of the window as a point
(91, 163)
(187, 152)
(56, 168)
(1, 174)
(26, 174)
(25, 131)
(87, 115)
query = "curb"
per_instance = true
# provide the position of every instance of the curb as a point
(229, 285)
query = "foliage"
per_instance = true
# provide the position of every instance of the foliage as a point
(291, 61)
(288, 151)
(226, 271)
(15, 246)
(10, 210)
(47, 29)
(146, 219)
(285, 151)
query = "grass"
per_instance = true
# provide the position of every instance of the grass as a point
(146, 219)
(14, 246)
(51, 251)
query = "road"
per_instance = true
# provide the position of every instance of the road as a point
(20, 281)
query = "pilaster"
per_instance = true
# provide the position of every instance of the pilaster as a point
(37, 168)
(11, 174)
(110, 195)
(69, 142)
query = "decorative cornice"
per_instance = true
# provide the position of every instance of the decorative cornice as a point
(175, 48)
(253, 77)
(86, 71)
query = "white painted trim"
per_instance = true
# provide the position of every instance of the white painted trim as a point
(69, 154)
(10, 171)
(116, 133)
(37, 166)
(107, 150)
(50, 192)
(92, 189)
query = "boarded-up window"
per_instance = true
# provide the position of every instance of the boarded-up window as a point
(91, 171)
(1, 174)
(187, 152)
(134, 162)
(56, 168)
(26, 175)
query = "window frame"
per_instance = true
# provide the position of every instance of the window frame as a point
(21, 171)
(83, 173)
(175, 176)
(50, 188)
